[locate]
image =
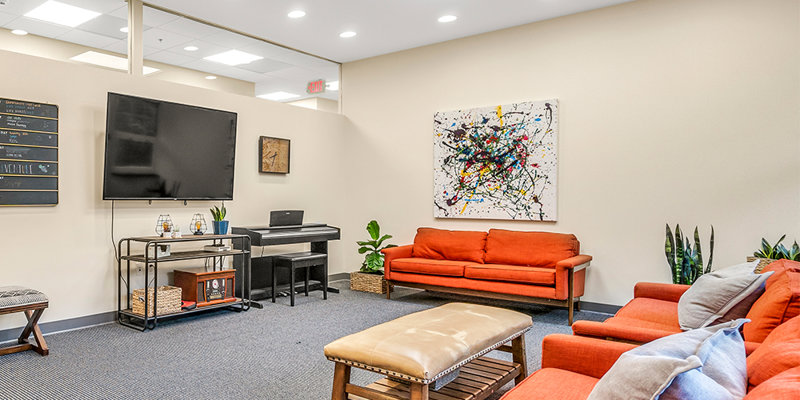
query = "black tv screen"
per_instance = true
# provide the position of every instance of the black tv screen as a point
(162, 150)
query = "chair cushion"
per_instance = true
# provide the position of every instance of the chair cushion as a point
(721, 296)
(15, 296)
(634, 323)
(429, 267)
(784, 386)
(439, 244)
(706, 363)
(425, 345)
(780, 302)
(511, 273)
(661, 312)
(535, 249)
(552, 383)
(771, 359)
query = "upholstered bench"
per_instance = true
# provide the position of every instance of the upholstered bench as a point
(440, 349)
(31, 302)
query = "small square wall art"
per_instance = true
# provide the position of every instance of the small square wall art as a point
(497, 162)
(273, 155)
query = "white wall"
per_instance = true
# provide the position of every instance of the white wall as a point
(66, 251)
(679, 111)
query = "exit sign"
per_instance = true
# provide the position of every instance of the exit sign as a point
(317, 86)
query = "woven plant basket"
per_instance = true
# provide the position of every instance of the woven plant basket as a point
(169, 301)
(762, 262)
(368, 283)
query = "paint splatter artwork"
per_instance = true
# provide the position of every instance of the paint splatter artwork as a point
(496, 162)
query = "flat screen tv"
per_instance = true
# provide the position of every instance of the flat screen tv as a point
(158, 150)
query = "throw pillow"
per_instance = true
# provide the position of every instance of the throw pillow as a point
(771, 359)
(707, 364)
(721, 296)
(784, 386)
(779, 303)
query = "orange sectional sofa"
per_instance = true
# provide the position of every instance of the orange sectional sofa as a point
(572, 365)
(531, 267)
(653, 312)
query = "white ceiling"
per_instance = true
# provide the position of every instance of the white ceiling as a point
(383, 26)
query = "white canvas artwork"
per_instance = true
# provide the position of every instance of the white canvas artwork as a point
(496, 162)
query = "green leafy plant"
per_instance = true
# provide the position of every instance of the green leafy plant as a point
(778, 251)
(219, 213)
(686, 262)
(373, 261)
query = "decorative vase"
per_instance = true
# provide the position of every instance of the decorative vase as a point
(372, 283)
(220, 227)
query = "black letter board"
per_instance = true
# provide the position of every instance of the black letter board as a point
(28, 153)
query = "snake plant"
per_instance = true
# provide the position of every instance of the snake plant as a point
(686, 262)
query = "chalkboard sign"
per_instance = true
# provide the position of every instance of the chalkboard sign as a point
(28, 153)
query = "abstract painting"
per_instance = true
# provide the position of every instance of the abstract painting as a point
(496, 162)
(273, 154)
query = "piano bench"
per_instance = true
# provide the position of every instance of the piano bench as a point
(294, 261)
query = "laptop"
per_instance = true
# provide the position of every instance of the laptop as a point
(285, 218)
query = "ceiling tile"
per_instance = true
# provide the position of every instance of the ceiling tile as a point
(295, 74)
(204, 49)
(87, 38)
(161, 39)
(238, 73)
(264, 65)
(101, 6)
(170, 58)
(231, 40)
(192, 29)
(120, 47)
(20, 7)
(206, 66)
(106, 25)
(150, 16)
(6, 18)
(37, 27)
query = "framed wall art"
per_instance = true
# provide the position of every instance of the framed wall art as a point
(497, 162)
(273, 155)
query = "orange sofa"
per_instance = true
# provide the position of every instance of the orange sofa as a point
(653, 312)
(531, 267)
(572, 365)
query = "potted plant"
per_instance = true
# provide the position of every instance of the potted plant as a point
(685, 262)
(370, 277)
(220, 224)
(769, 253)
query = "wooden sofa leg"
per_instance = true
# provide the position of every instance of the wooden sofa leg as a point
(571, 306)
(388, 291)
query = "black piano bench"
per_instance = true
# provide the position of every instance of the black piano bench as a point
(31, 302)
(294, 261)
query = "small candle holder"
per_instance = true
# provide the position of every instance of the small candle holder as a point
(164, 225)
(198, 225)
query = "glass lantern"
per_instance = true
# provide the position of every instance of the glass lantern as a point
(198, 225)
(164, 224)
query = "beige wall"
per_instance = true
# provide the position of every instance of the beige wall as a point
(679, 111)
(66, 250)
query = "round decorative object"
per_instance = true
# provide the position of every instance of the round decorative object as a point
(198, 225)
(164, 224)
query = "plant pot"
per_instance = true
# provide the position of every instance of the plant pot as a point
(372, 283)
(220, 227)
(762, 262)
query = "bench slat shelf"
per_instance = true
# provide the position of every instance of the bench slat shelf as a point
(236, 303)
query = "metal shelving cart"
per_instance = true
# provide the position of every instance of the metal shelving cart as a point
(150, 259)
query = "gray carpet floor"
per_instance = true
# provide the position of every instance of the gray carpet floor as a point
(270, 353)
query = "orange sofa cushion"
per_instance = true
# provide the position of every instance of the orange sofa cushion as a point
(553, 383)
(535, 249)
(658, 312)
(511, 273)
(429, 267)
(780, 302)
(784, 386)
(439, 244)
(771, 359)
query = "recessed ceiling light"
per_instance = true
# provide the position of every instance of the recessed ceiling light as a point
(347, 34)
(19, 32)
(447, 18)
(191, 48)
(108, 61)
(62, 14)
(332, 86)
(297, 14)
(124, 29)
(233, 57)
(278, 96)
(211, 77)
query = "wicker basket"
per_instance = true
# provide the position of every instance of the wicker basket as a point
(169, 301)
(372, 283)
(762, 262)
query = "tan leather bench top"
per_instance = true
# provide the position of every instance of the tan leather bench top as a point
(426, 345)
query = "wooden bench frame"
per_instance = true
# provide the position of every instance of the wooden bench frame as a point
(385, 390)
(32, 312)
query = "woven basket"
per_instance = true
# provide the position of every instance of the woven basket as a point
(372, 283)
(762, 262)
(169, 301)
